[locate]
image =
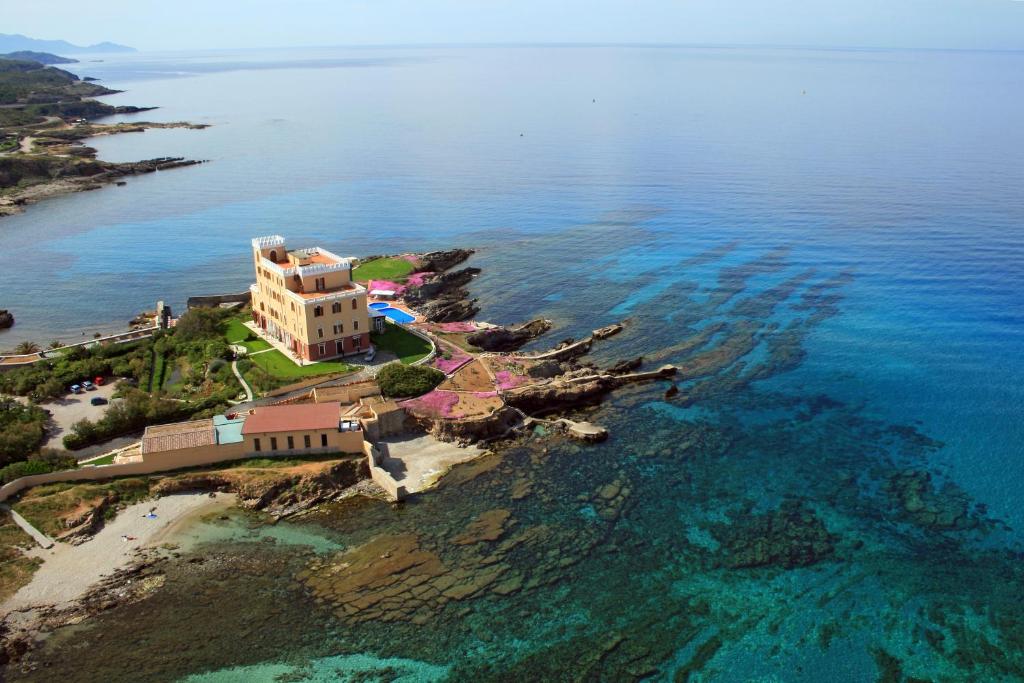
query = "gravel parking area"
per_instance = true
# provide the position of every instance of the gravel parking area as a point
(72, 408)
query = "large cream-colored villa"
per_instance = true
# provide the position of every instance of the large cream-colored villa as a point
(306, 299)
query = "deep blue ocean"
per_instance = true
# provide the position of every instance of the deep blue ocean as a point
(853, 222)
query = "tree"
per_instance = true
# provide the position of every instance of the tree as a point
(26, 347)
(56, 344)
(399, 381)
(198, 323)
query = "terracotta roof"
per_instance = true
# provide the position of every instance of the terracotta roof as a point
(179, 435)
(293, 418)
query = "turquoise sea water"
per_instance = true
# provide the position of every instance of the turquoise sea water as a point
(836, 238)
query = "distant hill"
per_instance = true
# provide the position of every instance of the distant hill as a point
(41, 57)
(14, 42)
(31, 83)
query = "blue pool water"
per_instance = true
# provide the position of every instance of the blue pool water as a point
(830, 243)
(397, 314)
(378, 305)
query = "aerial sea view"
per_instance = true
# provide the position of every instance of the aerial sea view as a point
(835, 236)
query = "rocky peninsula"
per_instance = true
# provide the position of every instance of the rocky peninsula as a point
(46, 114)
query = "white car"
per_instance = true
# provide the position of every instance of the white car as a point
(370, 355)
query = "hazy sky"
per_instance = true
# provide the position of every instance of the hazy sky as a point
(187, 24)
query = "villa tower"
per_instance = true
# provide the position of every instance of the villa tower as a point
(306, 299)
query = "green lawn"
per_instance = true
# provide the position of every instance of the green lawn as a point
(278, 365)
(105, 460)
(238, 333)
(256, 345)
(382, 269)
(407, 346)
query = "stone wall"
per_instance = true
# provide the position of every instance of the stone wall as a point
(153, 463)
(212, 300)
(381, 476)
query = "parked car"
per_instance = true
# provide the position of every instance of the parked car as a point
(88, 386)
(99, 381)
(371, 354)
(76, 389)
(98, 401)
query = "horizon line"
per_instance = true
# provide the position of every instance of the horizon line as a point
(595, 44)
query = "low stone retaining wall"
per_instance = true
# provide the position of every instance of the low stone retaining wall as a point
(212, 300)
(15, 361)
(381, 476)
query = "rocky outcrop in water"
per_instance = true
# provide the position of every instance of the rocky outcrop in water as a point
(792, 536)
(509, 339)
(444, 298)
(6, 319)
(574, 388)
(438, 261)
(916, 498)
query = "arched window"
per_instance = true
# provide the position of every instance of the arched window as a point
(336, 308)
(354, 304)
(318, 311)
(273, 255)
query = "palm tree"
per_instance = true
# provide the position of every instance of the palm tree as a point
(26, 347)
(56, 344)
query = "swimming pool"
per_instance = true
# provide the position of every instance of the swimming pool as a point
(396, 314)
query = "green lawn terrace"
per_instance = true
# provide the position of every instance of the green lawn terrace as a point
(266, 367)
(391, 273)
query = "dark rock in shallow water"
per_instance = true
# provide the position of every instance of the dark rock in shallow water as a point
(443, 298)
(6, 319)
(449, 310)
(506, 339)
(916, 499)
(789, 537)
(624, 366)
(437, 261)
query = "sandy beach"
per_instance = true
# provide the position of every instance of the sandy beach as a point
(69, 570)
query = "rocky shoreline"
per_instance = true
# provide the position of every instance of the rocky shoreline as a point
(554, 382)
(43, 133)
(276, 495)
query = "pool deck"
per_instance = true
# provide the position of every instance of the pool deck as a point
(398, 305)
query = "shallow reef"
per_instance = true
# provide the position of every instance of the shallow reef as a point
(733, 530)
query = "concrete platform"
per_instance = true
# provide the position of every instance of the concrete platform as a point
(418, 461)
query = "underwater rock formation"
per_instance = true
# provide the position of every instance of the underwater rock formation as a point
(947, 509)
(789, 537)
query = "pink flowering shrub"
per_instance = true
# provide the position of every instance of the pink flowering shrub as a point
(456, 328)
(437, 403)
(417, 279)
(449, 358)
(397, 288)
(450, 365)
(509, 380)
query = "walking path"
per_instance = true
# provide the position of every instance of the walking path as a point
(37, 535)
(241, 351)
(245, 385)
